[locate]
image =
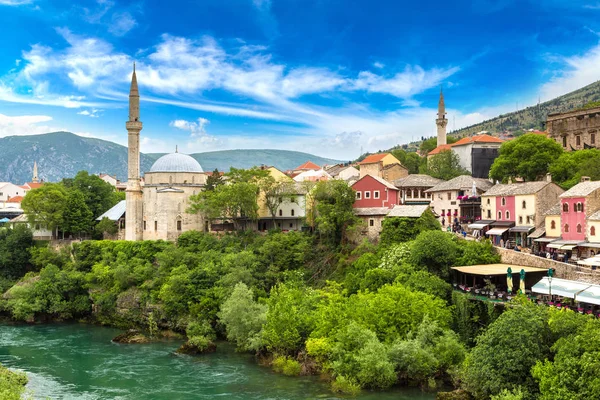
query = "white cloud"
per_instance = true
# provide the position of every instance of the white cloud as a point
(379, 65)
(195, 128)
(15, 2)
(573, 73)
(24, 125)
(92, 113)
(122, 22)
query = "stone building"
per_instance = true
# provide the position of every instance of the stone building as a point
(413, 188)
(455, 198)
(575, 130)
(383, 165)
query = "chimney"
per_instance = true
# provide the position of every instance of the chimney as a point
(548, 177)
(509, 181)
(585, 179)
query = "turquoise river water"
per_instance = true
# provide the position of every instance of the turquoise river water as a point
(73, 361)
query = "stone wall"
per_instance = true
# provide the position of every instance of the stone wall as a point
(562, 270)
(565, 128)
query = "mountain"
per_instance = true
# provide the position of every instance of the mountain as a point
(534, 117)
(63, 154)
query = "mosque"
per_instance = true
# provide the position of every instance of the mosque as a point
(158, 210)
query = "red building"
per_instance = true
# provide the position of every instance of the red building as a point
(372, 191)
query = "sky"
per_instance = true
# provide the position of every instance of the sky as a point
(328, 77)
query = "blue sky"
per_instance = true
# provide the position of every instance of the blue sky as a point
(328, 77)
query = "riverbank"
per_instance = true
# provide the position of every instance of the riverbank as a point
(78, 361)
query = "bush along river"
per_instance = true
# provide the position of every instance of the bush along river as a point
(76, 361)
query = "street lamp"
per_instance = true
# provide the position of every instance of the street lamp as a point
(550, 272)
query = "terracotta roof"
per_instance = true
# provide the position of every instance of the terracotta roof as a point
(368, 211)
(417, 180)
(582, 189)
(408, 211)
(34, 185)
(439, 149)
(374, 158)
(308, 165)
(516, 189)
(463, 182)
(478, 139)
(16, 199)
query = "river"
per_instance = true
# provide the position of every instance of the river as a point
(76, 361)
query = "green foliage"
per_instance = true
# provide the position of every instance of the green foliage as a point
(410, 160)
(107, 226)
(568, 169)
(243, 318)
(99, 196)
(444, 165)
(335, 213)
(477, 253)
(12, 384)
(77, 217)
(528, 157)
(422, 281)
(516, 394)
(436, 251)
(507, 350)
(14, 251)
(472, 317)
(344, 385)
(431, 143)
(213, 180)
(287, 366)
(46, 205)
(400, 229)
(233, 200)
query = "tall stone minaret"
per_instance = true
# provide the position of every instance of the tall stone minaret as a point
(133, 195)
(35, 178)
(441, 121)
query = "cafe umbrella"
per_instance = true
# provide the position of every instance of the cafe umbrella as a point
(509, 279)
(522, 288)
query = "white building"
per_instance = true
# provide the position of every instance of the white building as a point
(9, 190)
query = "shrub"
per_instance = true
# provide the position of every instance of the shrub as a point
(287, 366)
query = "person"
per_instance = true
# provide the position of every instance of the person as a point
(444, 222)
(502, 243)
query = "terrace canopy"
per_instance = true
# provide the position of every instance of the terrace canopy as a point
(579, 291)
(496, 269)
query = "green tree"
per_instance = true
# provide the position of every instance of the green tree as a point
(435, 251)
(107, 226)
(568, 169)
(275, 193)
(46, 205)
(412, 162)
(213, 180)
(334, 207)
(98, 194)
(15, 245)
(444, 165)
(243, 318)
(429, 144)
(528, 157)
(77, 216)
(402, 229)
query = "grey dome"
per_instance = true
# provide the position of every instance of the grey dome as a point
(176, 162)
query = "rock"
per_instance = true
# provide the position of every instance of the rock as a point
(458, 394)
(131, 336)
(192, 349)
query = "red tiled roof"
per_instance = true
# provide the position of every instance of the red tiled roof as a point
(308, 166)
(439, 149)
(33, 185)
(478, 139)
(16, 199)
(374, 158)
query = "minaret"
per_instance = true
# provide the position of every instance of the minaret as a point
(133, 195)
(35, 178)
(441, 121)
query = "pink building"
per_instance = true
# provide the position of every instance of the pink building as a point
(372, 191)
(577, 203)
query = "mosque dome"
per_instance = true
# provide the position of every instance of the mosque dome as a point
(176, 162)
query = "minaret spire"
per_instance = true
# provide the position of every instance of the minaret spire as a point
(35, 178)
(133, 195)
(441, 120)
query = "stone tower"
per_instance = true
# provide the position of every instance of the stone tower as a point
(133, 195)
(441, 121)
(35, 178)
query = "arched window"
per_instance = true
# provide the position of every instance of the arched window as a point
(293, 212)
(565, 207)
(566, 228)
(503, 201)
(578, 228)
(524, 204)
(579, 207)
(507, 215)
(593, 231)
(499, 214)
(553, 225)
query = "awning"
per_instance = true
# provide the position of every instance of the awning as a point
(590, 295)
(496, 269)
(496, 231)
(538, 233)
(554, 246)
(508, 224)
(521, 229)
(477, 226)
(568, 247)
(559, 287)
(590, 262)
(590, 245)
(544, 239)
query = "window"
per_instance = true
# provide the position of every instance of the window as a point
(507, 215)
(553, 225)
(567, 228)
(358, 195)
(593, 231)
(293, 199)
(449, 195)
(291, 225)
(524, 204)
(376, 194)
(578, 140)
(155, 225)
(489, 214)
(565, 207)
(293, 212)
(503, 201)
(578, 228)
(520, 220)
(178, 225)
(528, 219)
(499, 214)
(281, 213)
(371, 222)
(564, 141)
(579, 207)
(144, 225)
(488, 202)
(593, 138)
(409, 194)
(367, 195)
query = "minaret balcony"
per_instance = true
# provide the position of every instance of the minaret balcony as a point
(134, 125)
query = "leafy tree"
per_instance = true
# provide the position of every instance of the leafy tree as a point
(46, 205)
(568, 169)
(98, 194)
(213, 180)
(14, 251)
(107, 226)
(507, 350)
(435, 251)
(444, 165)
(243, 318)
(410, 160)
(431, 143)
(335, 213)
(528, 157)
(250, 175)
(275, 193)
(401, 229)
(77, 216)
(476, 253)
